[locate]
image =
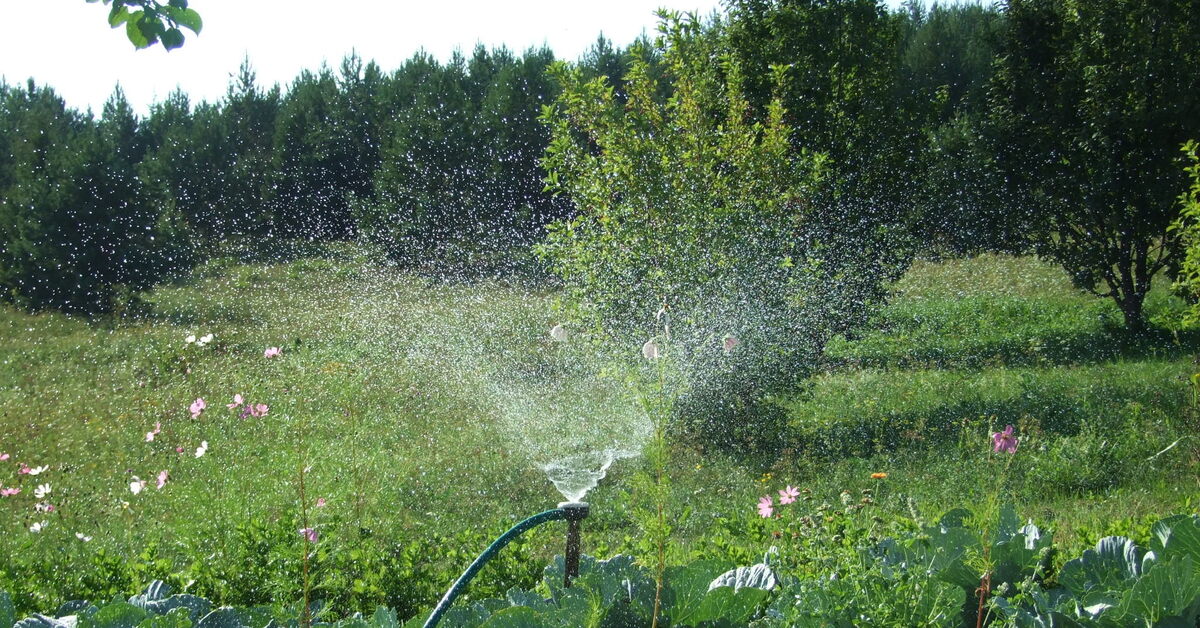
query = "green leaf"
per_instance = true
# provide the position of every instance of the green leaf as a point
(187, 18)
(686, 587)
(221, 618)
(1166, 590)
(134, 32)
(172, 38)
(1112, 566)
(516, 617)
(1177, 536)
(117, 16)
(177, 618)
(724, 603)
(384, 617)
(121, 615)
(178, 4)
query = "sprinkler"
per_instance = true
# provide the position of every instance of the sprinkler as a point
(572, 512)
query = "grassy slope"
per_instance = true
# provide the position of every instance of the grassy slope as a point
(406, 439)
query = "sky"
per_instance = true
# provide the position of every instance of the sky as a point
(68, 45)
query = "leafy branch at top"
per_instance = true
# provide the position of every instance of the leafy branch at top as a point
(150, 21)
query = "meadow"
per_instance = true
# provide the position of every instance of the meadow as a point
(391, 429)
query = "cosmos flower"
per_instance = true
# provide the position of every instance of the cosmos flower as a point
(237, 401)
(650, 350)
(157, 428)
(82, 537)
(9, 492)
(38, 527)
(203, 340)
(1005, 441)
(309, 534)
(179, 450)
(137, 485)
(41, 491)
(44, 507)
(36, 470)
(3, 457)
(259, 410)
(788, 495)
(190, 339)
(765, 507)
(729, 343)
(320, 502)
(558, 333)
(24, 470)
(202, 449)
(162, 478)
(272, 352)
(197, 407)
(878, 476)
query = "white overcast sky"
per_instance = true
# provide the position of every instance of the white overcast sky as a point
(68, 45)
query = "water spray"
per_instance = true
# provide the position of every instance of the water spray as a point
(572, 512)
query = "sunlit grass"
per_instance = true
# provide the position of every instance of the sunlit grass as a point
(391, 388)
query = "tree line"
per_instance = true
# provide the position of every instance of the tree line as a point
(1051, 126)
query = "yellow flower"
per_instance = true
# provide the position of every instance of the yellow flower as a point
(878, 476)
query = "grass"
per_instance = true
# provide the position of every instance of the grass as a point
(416, 407)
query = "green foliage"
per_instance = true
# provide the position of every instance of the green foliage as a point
(150, 21)
(691, 204)
(1091, 101)
(1188, 229)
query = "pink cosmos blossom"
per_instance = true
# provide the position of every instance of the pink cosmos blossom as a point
(162, 478)
(179, 450)
(729, 343)
(24, 470)
(309, 534)
(237, 401)
(197, 407)
(260, 410)
(1005, 441)
(272, 352)
(320, 502)
(651, 350)
(765, 507)
(9, 492)
(788, 495)
(157, 428)
(3, 457)
(43, 507)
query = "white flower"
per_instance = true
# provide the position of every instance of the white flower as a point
(82, 537)
(38, 470)
(190, 339)
(205, 339)
(136, 485)
(650, 350)
(38, 527)
(43, 507)
(41, 491)
(202, 449)
(558, 333)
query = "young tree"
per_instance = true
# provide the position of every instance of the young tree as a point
(695, 204)
(1090, 103)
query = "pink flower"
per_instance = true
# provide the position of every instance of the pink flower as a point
(3, 457)
(320, 502)
(179, 450)
(765, 508)
(309, 534)
(156, 430)
(729, 343)
(260, 410)
(788, 495)
(162, 478)
(237, 401)
(272, 352)
(1005, 441)
(24, 470)
(9, 492)
(197, 407)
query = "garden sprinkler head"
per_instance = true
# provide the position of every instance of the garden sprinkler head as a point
(573, 512)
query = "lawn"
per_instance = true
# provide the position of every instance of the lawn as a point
(418, 411)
